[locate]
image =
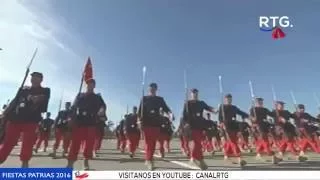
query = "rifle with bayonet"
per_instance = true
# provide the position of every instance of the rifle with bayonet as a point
(13, 104)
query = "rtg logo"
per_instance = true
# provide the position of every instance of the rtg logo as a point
(268, 23)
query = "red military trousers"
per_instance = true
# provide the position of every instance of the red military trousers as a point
(133, 139)
(43, 137)
(13, 132)
(162, 139)
(197, 137)
(64, 136)
(98, 140)
(263, 145)
(231, 147)
(80, 134)
(151, 135)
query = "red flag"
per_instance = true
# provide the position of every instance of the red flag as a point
(277, 33)
(88, 74)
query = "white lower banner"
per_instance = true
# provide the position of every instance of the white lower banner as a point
(199, 175)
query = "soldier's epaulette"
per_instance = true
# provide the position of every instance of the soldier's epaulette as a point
(47, 90)
(82, 95)
(26, 87)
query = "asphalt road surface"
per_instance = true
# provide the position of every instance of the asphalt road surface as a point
(111, 159)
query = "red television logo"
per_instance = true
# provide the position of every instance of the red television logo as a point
(81, 176)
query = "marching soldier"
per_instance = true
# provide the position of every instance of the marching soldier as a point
(25, 117)
(2, 125)
(185, 136)
(44, 132)
(62, 130)
(286, 131)
(245, 130)
(132, 131)
(217, 137)
(231, 126)
(122, 138)
(89, 107)
(165, 133)
(304, 122)
(259, 116)
(117, 133)
(193, 115)
(210, 132)
(100, 130)
(150, 121)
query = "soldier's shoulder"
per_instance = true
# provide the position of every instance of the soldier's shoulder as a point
(160, 98)
(62, 111)
(46, 90)
(81, 95)
(202, 102)
(287, 111)
(234, 106)
(26, 87)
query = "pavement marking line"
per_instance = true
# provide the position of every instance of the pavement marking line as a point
(185, 165)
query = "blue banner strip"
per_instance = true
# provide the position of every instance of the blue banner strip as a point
(36, 173)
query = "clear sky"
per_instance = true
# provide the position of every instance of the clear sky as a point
(207, 37)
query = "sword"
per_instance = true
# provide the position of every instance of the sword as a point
(317, 100)
(294, 100)
(296, 107)
(274, 102)
(253, 99)
(186, 90)
(127, 109)
(60, 103)
(187, 130)
(222, 107)
(254, 109)
(144, 70)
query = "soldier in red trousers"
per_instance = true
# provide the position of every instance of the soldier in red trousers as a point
(193, 117)
(88, 108)
(149, 119)
(44, 132)
(24, 119)
(132, 132)
(62, 130)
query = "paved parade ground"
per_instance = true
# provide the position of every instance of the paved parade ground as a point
(111, 159)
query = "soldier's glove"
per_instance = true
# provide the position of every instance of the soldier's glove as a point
(282, 120)
(101, 112)
(140, 124)
(186, 126)
(70, 123)
(172, 117)
(253, 119)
